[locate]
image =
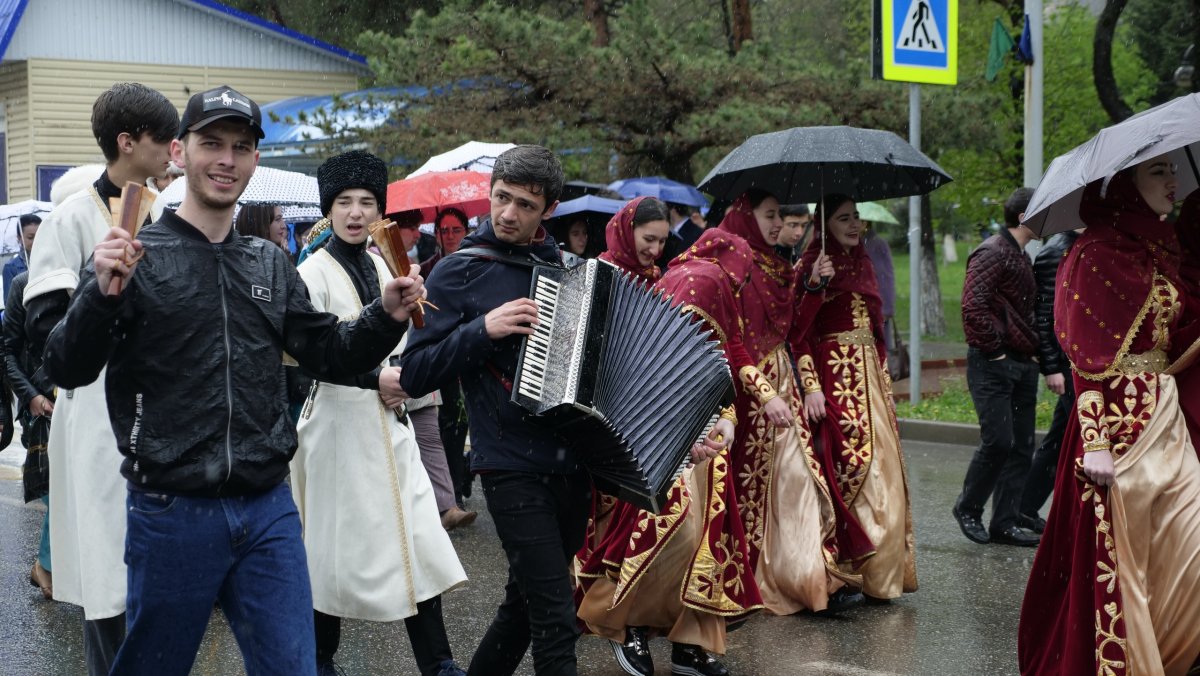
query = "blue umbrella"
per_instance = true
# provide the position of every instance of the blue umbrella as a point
(595, 211)
(663, 188)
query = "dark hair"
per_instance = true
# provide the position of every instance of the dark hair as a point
(1015, 205)
(650, 209)
(450, 211)
(829, 204)
(411, 217)
(756, 196)
(30, 219)
(678, 208)
(134, 109)
(793, 210)
(534, 168)
(254, 220)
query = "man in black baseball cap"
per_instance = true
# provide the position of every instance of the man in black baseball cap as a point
(217, 104)
(202, 420)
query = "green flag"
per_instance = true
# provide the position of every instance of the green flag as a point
(1002, 45)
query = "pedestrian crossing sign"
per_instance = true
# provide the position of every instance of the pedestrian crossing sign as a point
(916, 41)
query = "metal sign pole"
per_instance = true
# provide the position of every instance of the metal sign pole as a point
(914, 254)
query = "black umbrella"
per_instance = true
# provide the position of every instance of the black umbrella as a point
(806, 163)
(803, 164)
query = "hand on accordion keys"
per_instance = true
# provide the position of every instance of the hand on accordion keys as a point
(717, 440)
(514, 317)
(115, 258)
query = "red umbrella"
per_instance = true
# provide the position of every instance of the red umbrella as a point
(469, 191)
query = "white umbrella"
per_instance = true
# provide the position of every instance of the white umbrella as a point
(471, 156)
(267, 186)
(1172, 128)
(10, 218)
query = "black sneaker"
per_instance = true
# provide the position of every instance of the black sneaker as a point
(634, 655)
(842, 599)
(971, 526)
(1033, 523)
(692, 660)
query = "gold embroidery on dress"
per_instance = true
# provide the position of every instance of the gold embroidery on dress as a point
(809, 382)
(1111, 655)
(754, 382)
(1163, 302)
(1090, 406)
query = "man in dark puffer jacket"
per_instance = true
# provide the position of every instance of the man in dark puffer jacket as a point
(1057, 371)
(997, 307)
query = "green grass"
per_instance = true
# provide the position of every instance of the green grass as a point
(954, 405)
(950, 280)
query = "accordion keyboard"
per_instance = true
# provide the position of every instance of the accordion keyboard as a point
(533, 373)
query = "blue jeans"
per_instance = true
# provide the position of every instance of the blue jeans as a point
(186, 553)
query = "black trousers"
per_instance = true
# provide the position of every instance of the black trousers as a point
(452, 423)
(101, 641)
(541, 520)
(1044, 466)
(426, 633)
(1005, 395)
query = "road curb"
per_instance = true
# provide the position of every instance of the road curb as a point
(959, 434)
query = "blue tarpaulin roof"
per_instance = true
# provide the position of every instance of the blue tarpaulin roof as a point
(302, 120)
(10, 16)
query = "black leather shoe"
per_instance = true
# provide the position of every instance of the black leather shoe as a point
(1016, 536)
(842, 599)
(1034, 523)
(971, 526)
(692, 660)
(634, 655)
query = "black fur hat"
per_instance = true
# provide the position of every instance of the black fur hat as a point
(355, 169)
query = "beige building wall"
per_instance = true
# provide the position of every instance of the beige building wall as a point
(60, 96)
(14, 98)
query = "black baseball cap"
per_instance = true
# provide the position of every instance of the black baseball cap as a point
(217, 104)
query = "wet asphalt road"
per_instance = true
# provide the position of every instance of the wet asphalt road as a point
(962, 621)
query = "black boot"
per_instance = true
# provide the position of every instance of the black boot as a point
(634, 655)
(692, 660)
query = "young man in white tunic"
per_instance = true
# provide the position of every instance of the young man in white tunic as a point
(134, 126)
(376, 547)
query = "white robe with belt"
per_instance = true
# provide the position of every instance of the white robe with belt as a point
(375, 542)
(87, 492)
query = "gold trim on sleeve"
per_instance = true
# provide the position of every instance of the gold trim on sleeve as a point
(1090, 408)
(809, 382)
(755, 383)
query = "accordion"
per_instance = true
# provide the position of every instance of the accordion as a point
(626, 378)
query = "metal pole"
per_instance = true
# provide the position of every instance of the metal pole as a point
(1033, 98)
(1034, 83)
(914, 253)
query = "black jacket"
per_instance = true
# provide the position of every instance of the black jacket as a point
(1045, 269)
(454, 344)
(195, 391)
(21, 363)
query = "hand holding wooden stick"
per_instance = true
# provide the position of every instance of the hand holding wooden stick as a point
(387, 237)
(129, 211)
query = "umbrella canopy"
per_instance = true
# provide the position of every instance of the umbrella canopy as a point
(469, 191)
(872, 212)
(804, 163)
(1172, 128)
(663, 188)
(267, 186)
(470, 156)
(10, 220)
(574, 189)
(595, 211)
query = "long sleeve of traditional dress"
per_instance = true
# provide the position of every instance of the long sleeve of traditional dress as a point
(800, 339)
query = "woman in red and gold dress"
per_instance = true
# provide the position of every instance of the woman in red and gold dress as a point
(784, 500)
(1114, 584)
(681, 572)
(848, 400)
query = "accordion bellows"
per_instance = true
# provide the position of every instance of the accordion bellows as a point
(625, 377)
